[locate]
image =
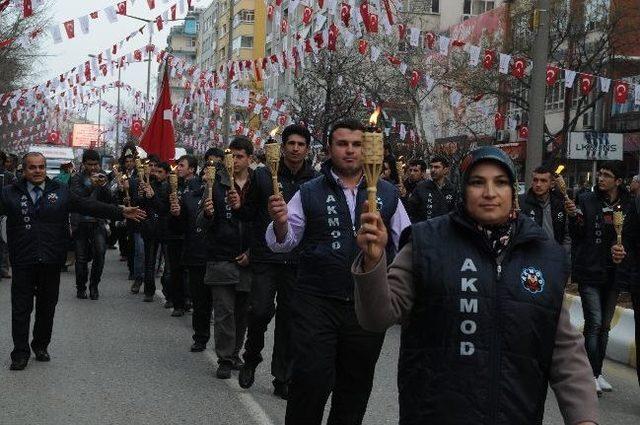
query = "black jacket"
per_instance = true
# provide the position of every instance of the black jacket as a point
(40, 236)
(530, 207)
(593, 235)
(254, 208)
(478, 343)
(428, 200)
(81, 185)
(195, 245)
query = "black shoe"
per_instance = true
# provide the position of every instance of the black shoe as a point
(94, 294)
(81, 294)
(177, 312)
(197, 347)
(148, 298)
(168, 304)
(42, 356)
(188, 306)
(135, 286)
(281, 389)
(247, 375)
(237, 364)
(224, 371)
(19, 364)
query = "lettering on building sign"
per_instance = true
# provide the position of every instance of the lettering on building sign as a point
(333, 221)
(468, 306)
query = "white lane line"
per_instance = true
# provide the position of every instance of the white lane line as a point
(254, 409)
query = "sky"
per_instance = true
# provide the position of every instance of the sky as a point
(102, 35)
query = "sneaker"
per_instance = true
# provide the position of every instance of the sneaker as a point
(168, 304)
(598, 388)
(81, 294)
(237, 364)
(604, 385)
(247, 375)
(224, 371)
(148, 298)
(177, 312)
(135, 286)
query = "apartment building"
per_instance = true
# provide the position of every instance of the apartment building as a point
(182, 42)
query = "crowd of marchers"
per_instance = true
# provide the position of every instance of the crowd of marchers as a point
(474, 273)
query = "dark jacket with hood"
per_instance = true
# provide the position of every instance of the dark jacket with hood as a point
(39, 234)
(531, 207)
(488, 359)
(428, 200)
(254, 208)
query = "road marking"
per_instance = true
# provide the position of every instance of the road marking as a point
(254, 409)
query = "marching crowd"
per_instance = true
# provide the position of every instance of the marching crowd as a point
(475, 273)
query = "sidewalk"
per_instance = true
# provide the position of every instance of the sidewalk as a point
(622, 344)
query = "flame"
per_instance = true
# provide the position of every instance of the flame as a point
(559, 169)
(173, 168)
(374, 117)
(274, 131)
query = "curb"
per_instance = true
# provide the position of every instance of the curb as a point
(622, 344)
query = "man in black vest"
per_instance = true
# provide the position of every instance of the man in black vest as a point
(544, 206)
(331, 353)
(273, 273)
(434, 197)
(89, 233)
(37, 210)
(479, 293)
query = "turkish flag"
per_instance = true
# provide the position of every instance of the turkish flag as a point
(415, 79)
(137, 55)
(278, 2)
(159, 22)
(158, 137)
(621, 90)
(345, 14)
(333, 37)
(307, 15)
(3, 4)
(317, 37)
(28, 9)
(387, 8)
(362, 46)
(69, 28)
(266, 112)
(152, 4)
(552, 75)
(524, 132)
(430, 39)
(321, 3)
(121, 8)
(94, 15)
(518, 68)
(136, 128)
(284, 26)
(402, 30)
(364, 12)
(393, 60)
(489, 59)
(586, 83)
(373, 22)
(498, 120)
(53, 137)
(282, 120)
(270, 10)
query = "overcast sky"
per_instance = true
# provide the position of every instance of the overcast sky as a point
(102, 35)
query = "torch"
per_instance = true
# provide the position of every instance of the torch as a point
(618, 223)
(272, 153)
(400, 169)
(373, 153)
(173, 180)
(211, 178)
(147, 171)
(228, 164)
(560, 183)
(125, 185)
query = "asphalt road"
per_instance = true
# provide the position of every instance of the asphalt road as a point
(121, 361)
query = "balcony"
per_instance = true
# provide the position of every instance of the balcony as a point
(624, 123)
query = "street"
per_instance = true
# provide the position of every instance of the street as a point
(119, 360)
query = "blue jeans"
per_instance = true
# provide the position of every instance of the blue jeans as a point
(598, 306)
(91, 245)
(138, 257)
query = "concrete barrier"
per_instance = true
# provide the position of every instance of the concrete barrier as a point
(622, 344)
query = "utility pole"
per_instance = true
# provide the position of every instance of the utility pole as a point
(226, 116)
(537, 94)
(119, 84)
(146, 110)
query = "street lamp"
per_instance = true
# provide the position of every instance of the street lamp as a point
(118, 85)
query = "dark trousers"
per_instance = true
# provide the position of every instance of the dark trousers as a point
(270, 285)
(150, 257)
(202, 304)
(176, 273)
(41, 281)
(331, 353)
(91, 245)
(229, 321)
(598, 306)
(635, 298)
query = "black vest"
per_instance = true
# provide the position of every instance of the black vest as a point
(328, 246)
(478, 344)
(227, 236)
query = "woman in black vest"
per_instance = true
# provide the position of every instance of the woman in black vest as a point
(484, 332)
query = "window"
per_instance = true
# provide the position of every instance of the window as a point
(476, 7)
(247, 16)
(242, 42)
(435, 6)
(192, 42)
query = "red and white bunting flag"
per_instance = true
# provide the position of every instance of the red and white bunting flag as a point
(552, 75)
(373, 23)
(523, 133)
(362, 46)
(345, 14)
(27, 8)
(364, 12)
(402, 31)
(159, 23)
(387, 8)
(518, 68)
(488, 59)
(333, 37)
(498, 121)
(270, 11)
(173, 12)
(69, 27)
(307, 15)
(430, 40)
(122, 8)
(284, 26)
(152, 4)
(94, 15)
(415, 79)
(621, 91)
(586, 83)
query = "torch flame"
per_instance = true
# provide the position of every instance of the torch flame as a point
(173, 168)
(374, 117)
(274, 131)
(559, 169)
